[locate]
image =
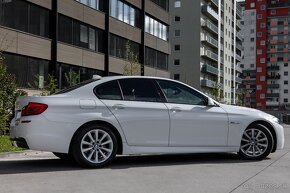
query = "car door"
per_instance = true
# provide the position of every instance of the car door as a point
(139, 109)
(192, 122)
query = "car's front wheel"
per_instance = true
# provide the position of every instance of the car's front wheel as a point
(94, 146)
(257, 143)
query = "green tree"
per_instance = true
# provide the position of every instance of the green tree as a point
(8, 94)
(72, 78)
(132, 67)
(215, 91)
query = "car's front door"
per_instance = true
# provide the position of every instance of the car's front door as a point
(192, 122)
(140, 111)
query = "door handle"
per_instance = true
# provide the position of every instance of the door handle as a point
(118, 106)
(175, 109)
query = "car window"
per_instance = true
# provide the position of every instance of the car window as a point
(109, 90)
(139, 89)
(178, 93)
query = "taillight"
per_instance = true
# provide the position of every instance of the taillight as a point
(33, 109)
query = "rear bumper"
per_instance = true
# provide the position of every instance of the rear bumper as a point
(42, 134)
(19, 142)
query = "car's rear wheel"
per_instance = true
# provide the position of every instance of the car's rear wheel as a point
(257, 143)
(94, 146)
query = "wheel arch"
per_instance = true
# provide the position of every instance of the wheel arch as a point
(270, 128)
(107, 124)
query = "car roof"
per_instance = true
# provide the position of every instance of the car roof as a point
(108, 78)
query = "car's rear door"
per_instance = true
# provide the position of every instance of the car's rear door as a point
(140, 111)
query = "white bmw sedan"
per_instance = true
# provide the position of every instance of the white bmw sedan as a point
(98, 119)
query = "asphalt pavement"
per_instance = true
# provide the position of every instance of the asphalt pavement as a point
(41, 172)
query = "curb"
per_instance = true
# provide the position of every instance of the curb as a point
(19, 153)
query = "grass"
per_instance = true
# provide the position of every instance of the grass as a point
(6, 146)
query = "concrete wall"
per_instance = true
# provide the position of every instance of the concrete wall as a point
(189, 68)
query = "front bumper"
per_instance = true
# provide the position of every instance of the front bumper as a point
(280, 136)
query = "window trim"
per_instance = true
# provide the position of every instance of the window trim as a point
(102, 84)
(161, 98)
(205, 98)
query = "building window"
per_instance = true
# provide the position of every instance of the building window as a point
(285, 100)
(156, 59)
(262, 25)
(177, 3)
(286, 73)
(259, 87)
(118, 47)
(252, 39)
(259, 16)
(252, 65)
(285, 91)
(285, 82)
(29, 72)
(259, 34)
(263, 7)
(162, 3)
(155, 28)
(95, 4)
(176, 62)
(176, 77)
(24, 16)
(262, 60)
(262, 42)
(252, 5)
(285, 64)
(259, 52)
(177, 47)
(259, 69)
(177, 33)
(252, 31)
(79, 34)
(273, 12)
(177, 18)
(125, 13)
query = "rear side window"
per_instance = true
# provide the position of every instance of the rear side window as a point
(109, 90)
(139, 89)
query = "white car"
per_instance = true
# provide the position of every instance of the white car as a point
(98, 119)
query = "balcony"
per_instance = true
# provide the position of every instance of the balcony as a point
(273, 68)
(222, 60)
(239, 46)
(207, 83)
(239, 58)
(209, 69)
(209, 40)
(273, 85)
(209, 54)
(239, 36)
(208, 11)
(272, 95)
(275, 77)
(272, 103)
(209, 25)
(239, 25)
(239, 11)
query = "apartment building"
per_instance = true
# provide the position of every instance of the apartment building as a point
(42, 37)
(267, 54)
(206, 46)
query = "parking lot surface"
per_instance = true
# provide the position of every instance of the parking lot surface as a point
(35, 172)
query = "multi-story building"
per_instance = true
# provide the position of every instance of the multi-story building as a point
(267, 53)
(207, 45)
(41, 37)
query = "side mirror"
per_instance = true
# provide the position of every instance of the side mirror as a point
(210, 102)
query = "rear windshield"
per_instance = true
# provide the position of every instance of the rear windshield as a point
(69, 89)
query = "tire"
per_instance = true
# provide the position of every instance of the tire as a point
(94, 146)
(64, 156)
(257, 143)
